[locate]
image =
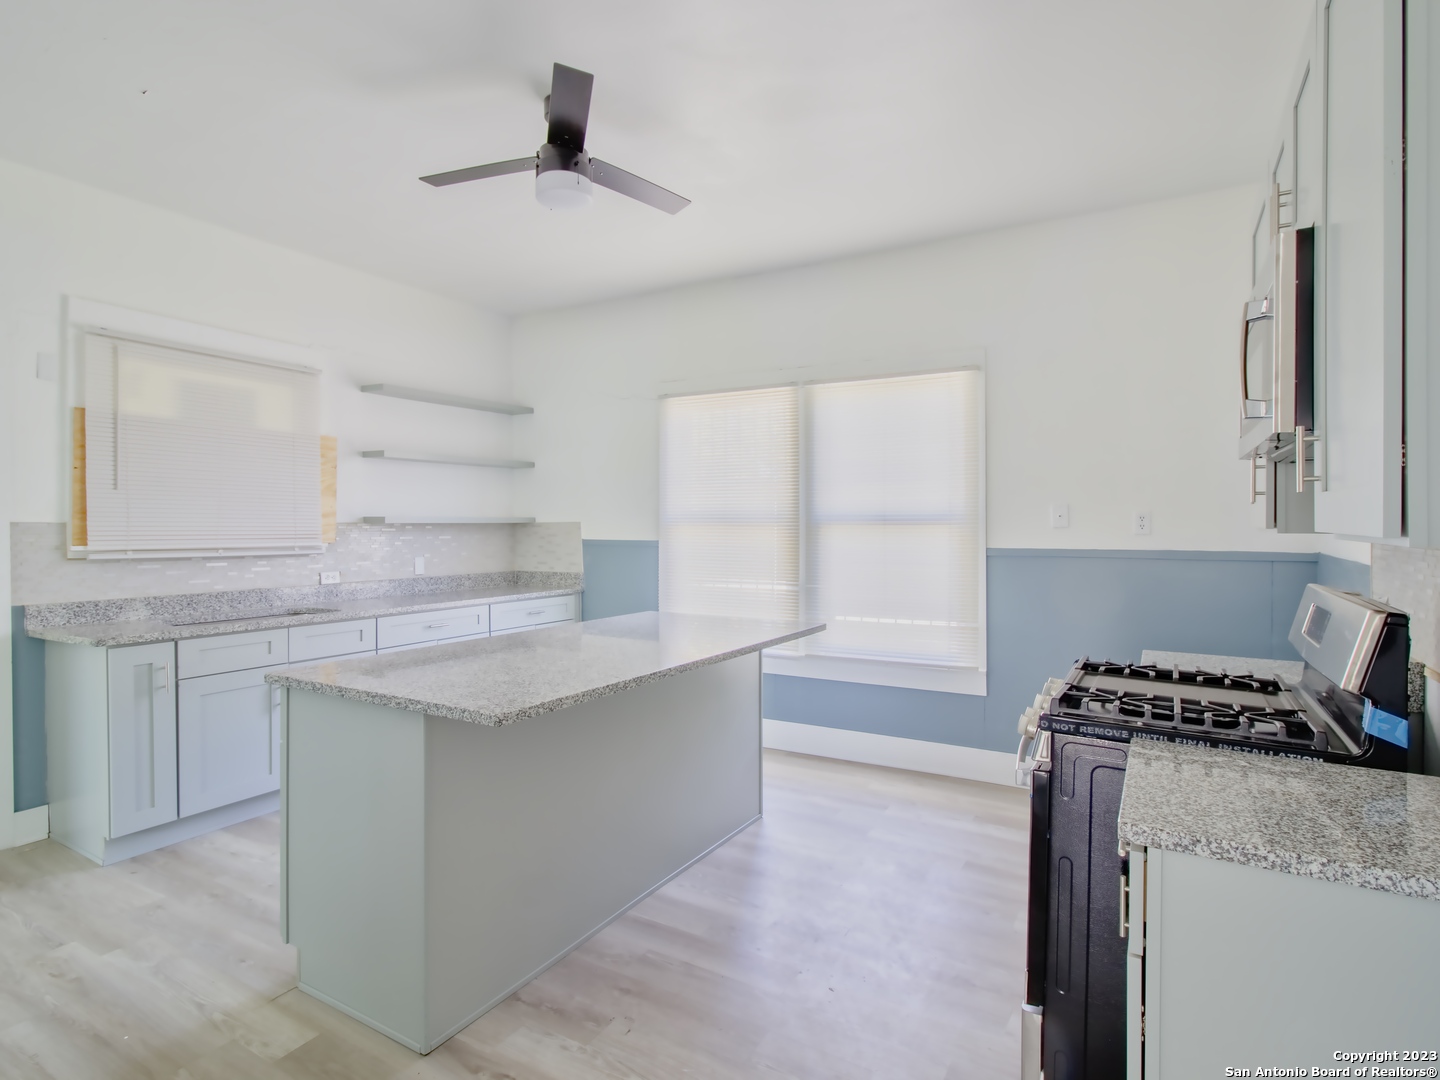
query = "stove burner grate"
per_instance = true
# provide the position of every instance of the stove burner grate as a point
(1135, 708)
(1190, 676)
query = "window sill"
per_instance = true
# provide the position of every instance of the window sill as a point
(877, 672)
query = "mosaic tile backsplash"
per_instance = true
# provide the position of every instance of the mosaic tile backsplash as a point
(1409, 578)
(41, 574)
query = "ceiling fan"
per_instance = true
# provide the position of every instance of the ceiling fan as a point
(565, 174)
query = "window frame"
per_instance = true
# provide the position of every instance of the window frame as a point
(908, 674)
(83, 317)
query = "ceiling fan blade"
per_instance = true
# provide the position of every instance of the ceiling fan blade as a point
(626, 183)
(480, 172)
(568, 107)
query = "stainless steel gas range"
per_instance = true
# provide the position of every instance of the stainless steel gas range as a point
(1349, 707)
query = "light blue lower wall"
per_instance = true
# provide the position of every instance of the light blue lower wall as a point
(621, 576)
(27, 701)
(1046, 608)
(1343, 574)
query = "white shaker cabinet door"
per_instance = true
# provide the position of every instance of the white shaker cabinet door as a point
(142, 737)
(1361, 377)
(229, 739)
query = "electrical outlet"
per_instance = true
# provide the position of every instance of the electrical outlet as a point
(329, 577)
(419, 564)
(1143, 524)
(1059, 515)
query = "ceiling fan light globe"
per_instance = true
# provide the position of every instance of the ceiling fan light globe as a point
(562, 189)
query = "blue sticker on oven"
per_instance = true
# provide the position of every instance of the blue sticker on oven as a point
(1387, 726)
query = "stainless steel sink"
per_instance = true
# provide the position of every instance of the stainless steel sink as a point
(282, 613)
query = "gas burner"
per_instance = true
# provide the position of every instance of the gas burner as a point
(1136, 708)
(1175, 674)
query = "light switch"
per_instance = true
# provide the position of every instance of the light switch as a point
(419, 564)
(1143, 523)
(1059, 515)
(47, 367)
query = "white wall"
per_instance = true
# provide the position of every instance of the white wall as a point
(58, 238)
(1109, 341)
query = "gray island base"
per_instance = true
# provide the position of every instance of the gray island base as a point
(457, 819)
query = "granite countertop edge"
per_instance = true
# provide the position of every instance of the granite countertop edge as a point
(1286, 862)
(296, 679)
(109, 635)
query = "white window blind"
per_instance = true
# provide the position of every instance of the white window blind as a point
(894, 544)
(859, 504)
(730, 504)
(193, 453)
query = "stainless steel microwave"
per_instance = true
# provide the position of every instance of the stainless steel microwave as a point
(1277, 348)
(1277, 386)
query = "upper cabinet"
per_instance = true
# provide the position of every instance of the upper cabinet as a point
(1336, 181)
(1362, 245)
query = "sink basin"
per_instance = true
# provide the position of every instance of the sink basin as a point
(257, 615)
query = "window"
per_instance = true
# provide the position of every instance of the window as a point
(858, 503)
(730, 504)
(188, 452)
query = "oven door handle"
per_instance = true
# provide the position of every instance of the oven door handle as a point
(1038, 898)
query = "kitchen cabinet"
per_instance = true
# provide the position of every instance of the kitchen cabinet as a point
(1362, 314)
(326, 641)
(524, 614)
(1275, 952)
(231, 652)
(142, 737)
(138, 759)
(428, 627)
(152, 744)
(228, 739)
(1338, 167)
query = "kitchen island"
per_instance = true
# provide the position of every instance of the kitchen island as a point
(457, 819)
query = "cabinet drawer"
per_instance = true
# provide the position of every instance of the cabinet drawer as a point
(232, 652)
(419, 627)
(518, 614)
(329, 640)
(427, 644)
(229, 739)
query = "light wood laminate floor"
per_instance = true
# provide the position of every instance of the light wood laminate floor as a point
(871, 926)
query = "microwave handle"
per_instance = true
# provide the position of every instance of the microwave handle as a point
(1244, 353)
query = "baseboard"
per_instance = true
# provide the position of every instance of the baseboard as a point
(187, 828)
(941, 759)
(31, 825)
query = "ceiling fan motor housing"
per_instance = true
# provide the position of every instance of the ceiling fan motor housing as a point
(563, 177)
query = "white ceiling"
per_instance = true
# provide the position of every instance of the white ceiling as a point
(800, 130)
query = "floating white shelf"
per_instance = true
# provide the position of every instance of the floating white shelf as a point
(446, 459)
(435, 397)
(447, 521)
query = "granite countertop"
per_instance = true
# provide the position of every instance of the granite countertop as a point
(500, 680)
(143, 631)
(1366, 827)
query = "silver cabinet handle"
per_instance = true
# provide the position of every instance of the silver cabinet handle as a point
(436, 625)
(1125, 905)
(1300, 478)
(537, 611)
(166, 669)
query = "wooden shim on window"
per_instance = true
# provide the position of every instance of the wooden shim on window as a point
(328, 457)
(79, 529)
